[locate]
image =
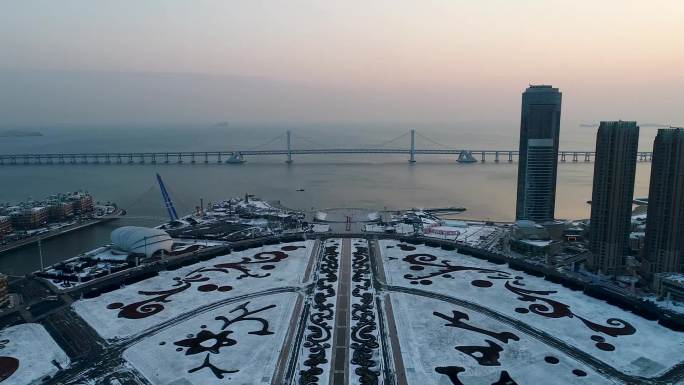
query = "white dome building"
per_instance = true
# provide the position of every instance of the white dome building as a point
(141, 240)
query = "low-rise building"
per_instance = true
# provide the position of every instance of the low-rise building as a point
(532, 239)
(5, 225)
(29, 217)
(669, 285)
(4, 291)
(636, 242)
(81, 202)
(59, 211)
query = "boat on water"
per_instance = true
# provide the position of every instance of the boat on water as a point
(236, 158)
(300, 189)
(466, 157)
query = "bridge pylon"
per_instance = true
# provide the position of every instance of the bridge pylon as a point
(289, 147)
(412, 159)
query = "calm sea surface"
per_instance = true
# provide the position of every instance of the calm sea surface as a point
(487, 190)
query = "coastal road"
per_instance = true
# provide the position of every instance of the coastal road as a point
(55, 233)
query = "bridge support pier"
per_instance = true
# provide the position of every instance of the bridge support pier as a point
(586, 157)
(510, 156)
(496, 156)
(166, 157)
(180, 158)
(206, 158)
(154, 159)
(574, 157)
(412, 158)
(289, 147)
(219, 158)
(562, 157)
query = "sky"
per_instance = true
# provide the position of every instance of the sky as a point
(83, 61)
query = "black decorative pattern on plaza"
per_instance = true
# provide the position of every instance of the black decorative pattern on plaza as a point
(487, 354)
(210, 343)
(425, 267)
(365, 348)
(8, 365)
(256, 266)
(319, 328)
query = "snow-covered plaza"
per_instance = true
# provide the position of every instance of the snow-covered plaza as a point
(28, 355)
(555, 314)
(347, 311)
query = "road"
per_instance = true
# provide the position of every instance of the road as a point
(54, 233)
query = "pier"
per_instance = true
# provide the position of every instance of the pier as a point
(237, 156)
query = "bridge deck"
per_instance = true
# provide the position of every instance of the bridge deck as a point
(223, 156)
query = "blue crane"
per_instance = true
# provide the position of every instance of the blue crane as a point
(167, 200)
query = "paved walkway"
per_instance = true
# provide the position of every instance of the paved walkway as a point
(340, 354)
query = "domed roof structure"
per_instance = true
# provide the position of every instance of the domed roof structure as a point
(141, 240)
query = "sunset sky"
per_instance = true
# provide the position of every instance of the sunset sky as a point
(385, 60)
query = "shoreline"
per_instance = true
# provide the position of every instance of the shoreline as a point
(54, 233)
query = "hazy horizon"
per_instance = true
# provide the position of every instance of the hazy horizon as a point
(172, 62)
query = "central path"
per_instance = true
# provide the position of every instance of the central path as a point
(340, 359)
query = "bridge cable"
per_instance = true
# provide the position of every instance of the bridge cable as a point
(380, 145)
(281, 136)
(432, 141)
(309, 140)
(139, 198)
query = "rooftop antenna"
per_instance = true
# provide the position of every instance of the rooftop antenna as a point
(167, 200)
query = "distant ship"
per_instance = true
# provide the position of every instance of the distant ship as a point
(466, 157)
(300, 189)
(236, 158)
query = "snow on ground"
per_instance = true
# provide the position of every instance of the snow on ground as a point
(648, 351)
(241, 348)
(317, 343)
(399, 228)
(27, 353)
(364, 332)
(132, 309)
(472, 234)
(667, 304)
(319, 228)
(427, 344)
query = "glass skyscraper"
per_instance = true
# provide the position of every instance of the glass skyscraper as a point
(538, 159)
(612, 196)
(664, 243)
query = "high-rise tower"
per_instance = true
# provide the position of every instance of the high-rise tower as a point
(538, 159)
(612, 196)
(664, 243)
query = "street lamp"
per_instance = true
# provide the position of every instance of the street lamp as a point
(40, 253)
